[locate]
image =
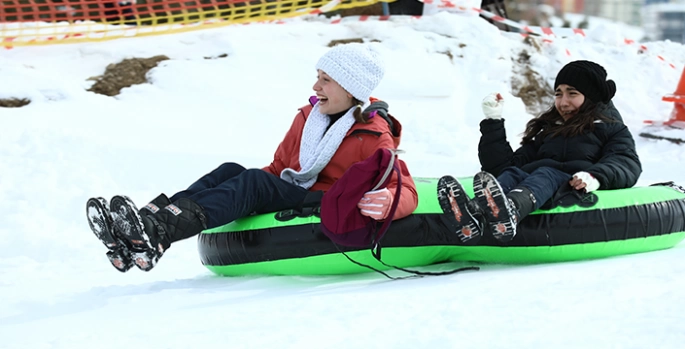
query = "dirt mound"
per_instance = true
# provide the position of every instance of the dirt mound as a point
(335, 42)
(13, 102)
(126, 73)
(529, 85)
(371, 10)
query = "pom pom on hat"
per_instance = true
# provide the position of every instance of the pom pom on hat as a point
(589, 78)
(355, 67)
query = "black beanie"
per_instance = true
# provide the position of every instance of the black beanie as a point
(589, 78)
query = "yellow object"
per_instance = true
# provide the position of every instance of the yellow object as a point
(37, 22)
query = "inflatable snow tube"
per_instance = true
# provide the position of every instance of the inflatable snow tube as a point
(601, 224)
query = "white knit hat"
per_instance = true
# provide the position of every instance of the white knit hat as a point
(356, 67)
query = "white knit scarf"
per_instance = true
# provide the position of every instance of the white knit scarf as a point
(317, 146)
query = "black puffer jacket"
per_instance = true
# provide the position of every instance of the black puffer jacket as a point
(608, 152)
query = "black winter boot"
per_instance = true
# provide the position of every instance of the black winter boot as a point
(523, 200)
(499, 211)
(101, 223)
(158, 203)
(458, 214)
(180, 220)
(151, 232)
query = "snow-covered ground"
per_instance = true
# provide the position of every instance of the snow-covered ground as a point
(57, 289)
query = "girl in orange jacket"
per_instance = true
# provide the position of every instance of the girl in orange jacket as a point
(324, 140)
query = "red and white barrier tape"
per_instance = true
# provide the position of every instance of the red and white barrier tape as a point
(547, 34)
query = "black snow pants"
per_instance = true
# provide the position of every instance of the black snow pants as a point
(231, 192)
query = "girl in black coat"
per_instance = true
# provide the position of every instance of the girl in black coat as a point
(580, 141)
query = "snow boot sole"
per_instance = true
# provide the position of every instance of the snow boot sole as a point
(101, 223)
(453, 202)
(498, 210)
(130, 225)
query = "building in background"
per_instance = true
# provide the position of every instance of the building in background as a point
(660, 19)
(570, 6)
(625, 11)
(542, 12)
(664, 21)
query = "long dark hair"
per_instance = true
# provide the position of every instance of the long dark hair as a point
(551, 123)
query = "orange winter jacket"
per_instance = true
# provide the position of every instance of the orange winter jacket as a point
(361, 141)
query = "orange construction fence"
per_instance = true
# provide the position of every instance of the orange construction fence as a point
(30, 22)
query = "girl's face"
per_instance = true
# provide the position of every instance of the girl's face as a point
(332, 97)
(568, 100)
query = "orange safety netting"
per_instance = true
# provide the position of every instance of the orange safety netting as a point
(27, 22)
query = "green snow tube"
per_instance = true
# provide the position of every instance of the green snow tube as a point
(614, 222)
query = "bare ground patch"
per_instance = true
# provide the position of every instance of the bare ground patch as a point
(14, 102)
(129, 72)
(529, 85)
(348, 41)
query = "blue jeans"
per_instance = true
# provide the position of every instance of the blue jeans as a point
(543, 182)
(231, 192)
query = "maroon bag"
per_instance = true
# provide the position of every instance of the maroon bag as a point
(341, 219)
